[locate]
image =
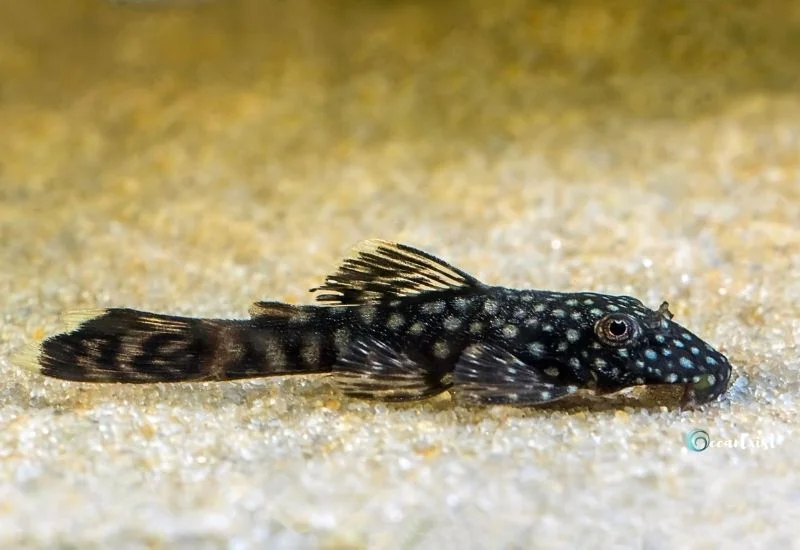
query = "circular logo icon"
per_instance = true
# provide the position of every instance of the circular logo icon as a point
(697, 440)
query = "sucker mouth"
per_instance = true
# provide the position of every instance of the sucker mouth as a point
(689, 398)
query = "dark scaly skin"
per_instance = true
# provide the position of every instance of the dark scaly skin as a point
(392, 339)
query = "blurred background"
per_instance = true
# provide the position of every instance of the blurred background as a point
(235, 125)
(193, 157)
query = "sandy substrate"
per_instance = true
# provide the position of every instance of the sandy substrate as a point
(193, 159)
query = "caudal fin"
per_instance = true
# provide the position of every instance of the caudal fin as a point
(137, 347)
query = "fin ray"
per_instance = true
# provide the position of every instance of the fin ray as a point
(486, 374)
(125, 345)
(272, 310)
(373, 369)
(381, 269)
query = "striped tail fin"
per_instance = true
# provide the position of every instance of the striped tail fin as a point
(138, 347)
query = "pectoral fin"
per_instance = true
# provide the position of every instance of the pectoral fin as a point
(374, 369)
(486, 375)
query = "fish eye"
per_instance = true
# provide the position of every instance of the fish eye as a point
(616, 329)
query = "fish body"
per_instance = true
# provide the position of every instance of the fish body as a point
(395, 323)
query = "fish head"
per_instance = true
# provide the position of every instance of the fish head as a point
(630, 344)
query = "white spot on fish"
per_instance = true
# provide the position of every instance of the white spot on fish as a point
(551, 371)
(417, 328)
(510, 331)
(572, 389)
(341, 339)
(441, 350)
(547, 328)
(452, 323)
(622, 352)
(650, 355)
(711, 379)
(490, 307)
(395, 321)
(588, 301)
(711, 361)
(559, 313)
(671, 377)
(573, 335)
(300, 316)
(461, 303)
(575, 363)
(576, 315)
(367, 313)
(677, 343)
(695, 351)
(531, 322)
(276, 356)
(596, 312)
(527, 297)
(562, 346)
(660, 338)
(538, 308)
(545, 395)
(612, 307)
(572, 302)
(686, 336)
(599, 363)
(666, 352)
(433, 307)
(476, 327)
(536, 348)
(686, 363)
(310, 351)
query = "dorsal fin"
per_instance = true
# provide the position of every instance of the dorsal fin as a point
(379, 269)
